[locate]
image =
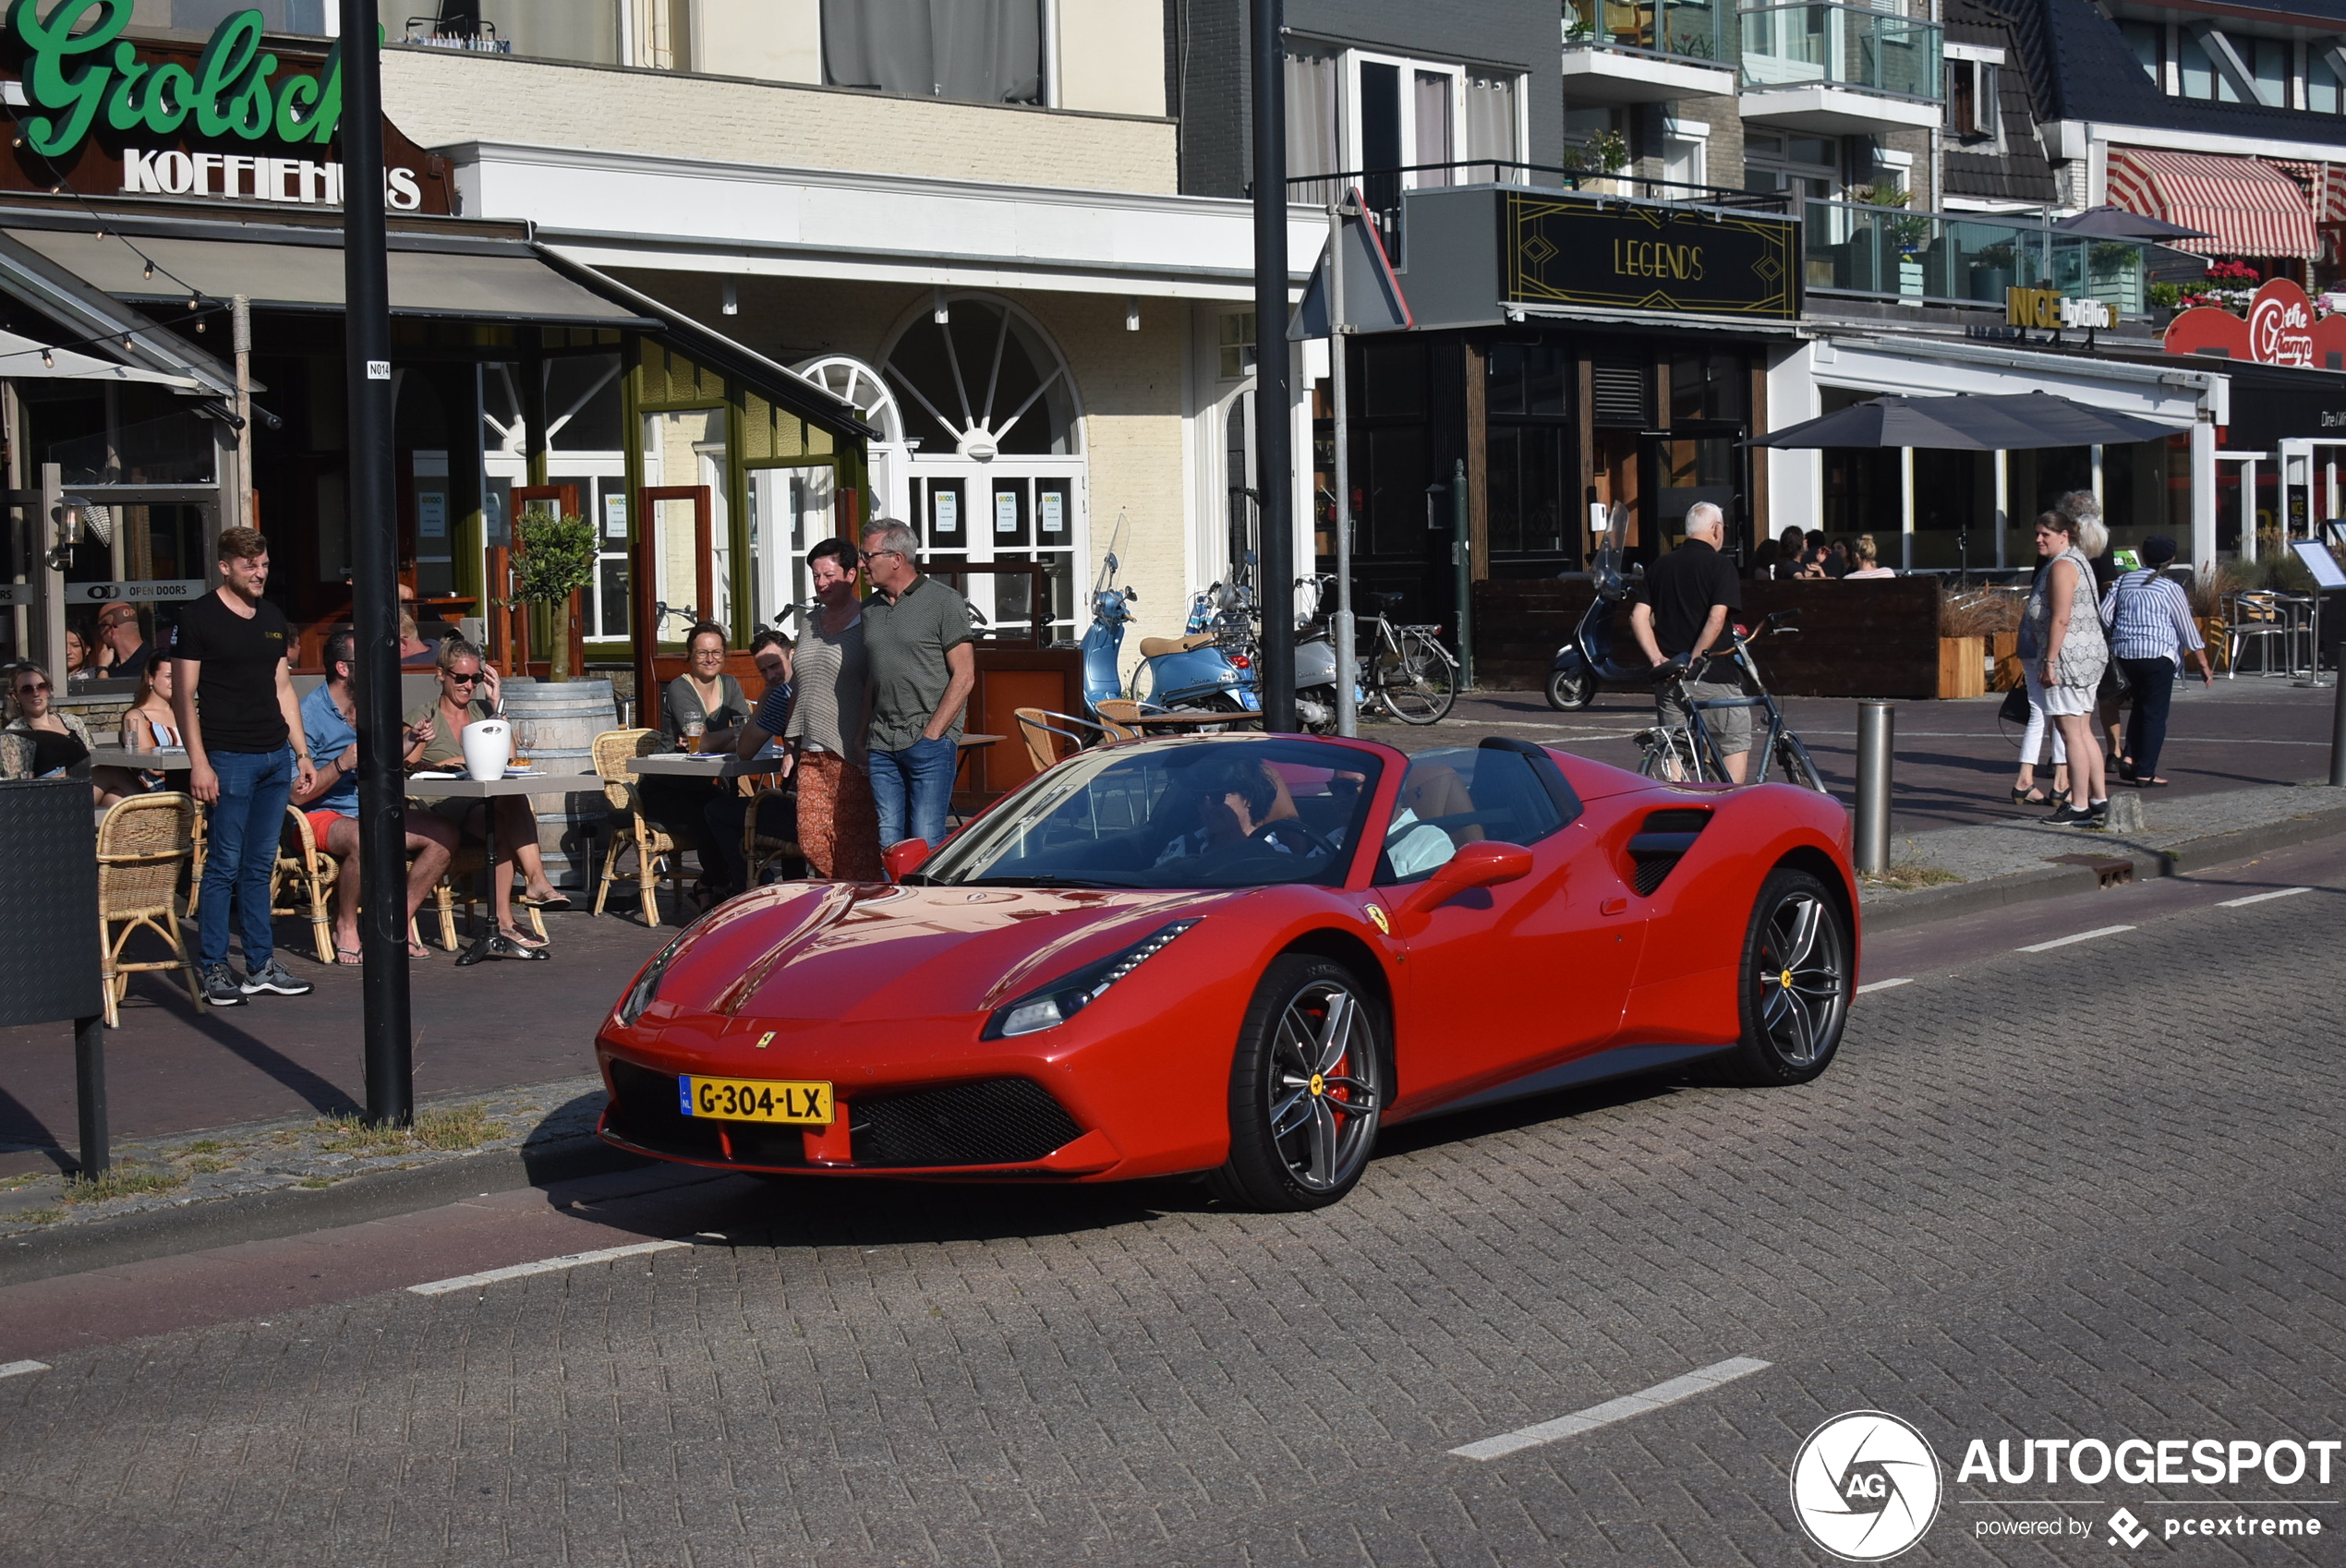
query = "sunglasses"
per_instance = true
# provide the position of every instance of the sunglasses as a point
(869, 556)
(30, 687)
(456, 680)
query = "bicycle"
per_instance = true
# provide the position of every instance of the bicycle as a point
(1687, 753)
(1405, 668)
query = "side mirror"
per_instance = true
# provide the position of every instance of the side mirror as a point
(1475, 866)
(906, 856)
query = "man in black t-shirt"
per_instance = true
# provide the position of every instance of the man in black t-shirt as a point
(249, 751)
(1680, 611)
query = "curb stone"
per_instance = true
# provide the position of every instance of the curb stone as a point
(1925, 905)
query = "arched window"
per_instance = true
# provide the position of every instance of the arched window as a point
(982, 382)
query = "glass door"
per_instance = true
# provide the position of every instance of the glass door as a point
(792, 510)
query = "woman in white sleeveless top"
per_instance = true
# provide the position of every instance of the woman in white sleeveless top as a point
(2065, 617)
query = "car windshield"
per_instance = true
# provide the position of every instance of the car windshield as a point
(1191, 812)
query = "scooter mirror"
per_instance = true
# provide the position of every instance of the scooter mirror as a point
(1111, 563)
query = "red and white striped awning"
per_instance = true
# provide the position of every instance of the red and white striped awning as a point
(2250, 208)
(2324, 187)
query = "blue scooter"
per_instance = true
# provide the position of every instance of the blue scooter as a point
(1596, 657)
(1194, 671)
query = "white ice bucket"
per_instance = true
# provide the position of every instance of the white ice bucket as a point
(488, 745)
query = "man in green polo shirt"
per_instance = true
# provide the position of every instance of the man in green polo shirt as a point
(916, 636)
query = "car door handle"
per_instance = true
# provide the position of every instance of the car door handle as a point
(1612, 906)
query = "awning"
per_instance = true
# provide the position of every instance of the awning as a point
(483, 281)
(2249, 207)
(2325, 186)
(24, 359)
(102, 321)
(704, 346)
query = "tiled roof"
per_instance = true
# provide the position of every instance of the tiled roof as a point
(2084, 69)
(2020, 173)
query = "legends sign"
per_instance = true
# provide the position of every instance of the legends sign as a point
(1575, 249)
(233, 119)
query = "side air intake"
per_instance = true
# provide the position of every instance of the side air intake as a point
(1662, 840)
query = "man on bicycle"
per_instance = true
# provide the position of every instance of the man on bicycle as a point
(1680, 611)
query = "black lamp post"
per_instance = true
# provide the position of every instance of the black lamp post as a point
(1274, 449)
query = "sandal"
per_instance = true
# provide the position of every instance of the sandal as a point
(2029, 796)
(521, 938)
(2152, 783)
(554, 900)
(505, 945)
(347, 956)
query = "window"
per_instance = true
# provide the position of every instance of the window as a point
(1312, 144)
(1713, 385)
(1456, 796)
(1683, 158)
(1530, 467)
(2325, 90)
(1972, 99)
(1236, 335)
(2197, 71)
(1490, 122)
(980, 51)
(2149, 40)
(1435, 91)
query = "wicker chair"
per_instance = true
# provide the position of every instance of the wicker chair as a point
(305, 868)
(760, 851)
(657, 854)
(143, 843)
(1116, 714)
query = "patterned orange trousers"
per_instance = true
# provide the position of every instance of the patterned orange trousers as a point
(838, 820)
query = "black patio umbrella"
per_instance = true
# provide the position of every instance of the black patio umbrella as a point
(2116, 222)
(1966, 423)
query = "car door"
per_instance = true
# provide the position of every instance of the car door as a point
(1509, 979)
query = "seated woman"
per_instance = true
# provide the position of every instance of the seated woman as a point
(148, 725)
(81, 657)
(40, 742)
(701, 710)
(469, 691)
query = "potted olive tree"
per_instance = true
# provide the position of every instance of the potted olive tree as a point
(556, 559)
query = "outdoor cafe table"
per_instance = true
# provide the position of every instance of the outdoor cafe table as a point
(463, 788)
(147, 762)
(1191, 719)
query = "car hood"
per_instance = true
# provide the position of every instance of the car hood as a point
(846, 952)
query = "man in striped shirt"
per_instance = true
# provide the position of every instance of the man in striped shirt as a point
(2150, 619)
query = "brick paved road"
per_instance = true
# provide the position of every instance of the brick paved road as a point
(2086, 1192)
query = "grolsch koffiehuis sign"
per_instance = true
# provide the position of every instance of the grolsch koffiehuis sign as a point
(1584, 250)
(239, 118)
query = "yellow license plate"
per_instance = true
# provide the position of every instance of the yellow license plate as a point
(756, 1100)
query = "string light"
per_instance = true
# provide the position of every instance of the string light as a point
(48, 359)
(150, 274)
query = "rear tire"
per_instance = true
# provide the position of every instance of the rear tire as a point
(1793, 986)
(1568, 693)
(1308, 1087)
(1798, 766)
(1417, 680)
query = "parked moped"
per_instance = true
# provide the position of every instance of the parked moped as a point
(1599, 655)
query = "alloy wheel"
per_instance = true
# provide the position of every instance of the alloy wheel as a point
(1799, 978)
(1323, 1088)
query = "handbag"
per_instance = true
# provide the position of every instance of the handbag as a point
(2015, 706)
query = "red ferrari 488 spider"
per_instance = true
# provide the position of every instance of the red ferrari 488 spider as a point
(1243, 956)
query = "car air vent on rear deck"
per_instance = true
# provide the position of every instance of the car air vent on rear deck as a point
(1660, 841)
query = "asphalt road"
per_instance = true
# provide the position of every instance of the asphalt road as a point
(2085, 1192)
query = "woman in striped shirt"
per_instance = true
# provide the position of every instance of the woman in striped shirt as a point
(2150, 619)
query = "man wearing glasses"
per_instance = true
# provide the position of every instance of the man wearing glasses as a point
(916, 638)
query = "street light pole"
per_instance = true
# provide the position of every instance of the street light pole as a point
(1273, 445)
(374, 578)
(1348, 715)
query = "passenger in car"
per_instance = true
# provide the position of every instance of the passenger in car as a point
(1242, 800)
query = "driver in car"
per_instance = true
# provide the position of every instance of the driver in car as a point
(1241, 805)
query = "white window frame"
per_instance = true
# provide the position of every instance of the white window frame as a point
(1695, 135)
(1348, 115)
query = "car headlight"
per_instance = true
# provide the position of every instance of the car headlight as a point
(1063, 998)
(639, 995)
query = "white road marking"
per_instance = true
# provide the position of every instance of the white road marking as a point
(544, 1266)
(1698, 1382)
(2080, 936)
(18, 1368)
(2260, 898)
(1885, 985)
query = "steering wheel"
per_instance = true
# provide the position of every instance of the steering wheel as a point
(1316, 841)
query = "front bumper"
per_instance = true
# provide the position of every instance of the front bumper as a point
(999, 1125)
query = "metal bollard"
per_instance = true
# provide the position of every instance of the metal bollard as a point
(2337, 719)
(1876, 732)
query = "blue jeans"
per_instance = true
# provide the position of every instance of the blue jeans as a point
(914, 788)
(242, 852)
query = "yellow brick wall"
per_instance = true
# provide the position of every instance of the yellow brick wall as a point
(1129, 385)
(439, 97)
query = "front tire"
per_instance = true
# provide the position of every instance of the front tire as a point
(1417, 680)
(1794, 984)
(1570, 693)
(1308, 1087)
(1798, 766)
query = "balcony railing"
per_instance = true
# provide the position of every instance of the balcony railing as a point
(1851, 46)
(1958, 258)
(1706, 31)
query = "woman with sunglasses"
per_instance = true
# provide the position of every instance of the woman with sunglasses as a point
(40, 742)
(469, 691)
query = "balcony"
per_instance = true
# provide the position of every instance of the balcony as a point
(1949, 258)
(1840, 70)
(1649, 51)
